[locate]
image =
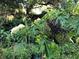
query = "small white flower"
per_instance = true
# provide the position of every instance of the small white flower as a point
(14, 30)
(21, 26)
(49, 6)
(24, 10)
(39, 9)
(9, 17)
(37, 20)
(36, 11)
(44, 7)
(17, 28)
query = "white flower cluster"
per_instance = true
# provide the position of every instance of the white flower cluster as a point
(17, 28)
(38, 9)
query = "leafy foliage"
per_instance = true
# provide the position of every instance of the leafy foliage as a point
(37, 39)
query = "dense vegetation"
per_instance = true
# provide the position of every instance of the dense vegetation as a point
(39, 29)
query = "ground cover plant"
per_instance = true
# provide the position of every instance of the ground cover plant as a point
(39, 29)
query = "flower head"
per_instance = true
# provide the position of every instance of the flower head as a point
(17, 28)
